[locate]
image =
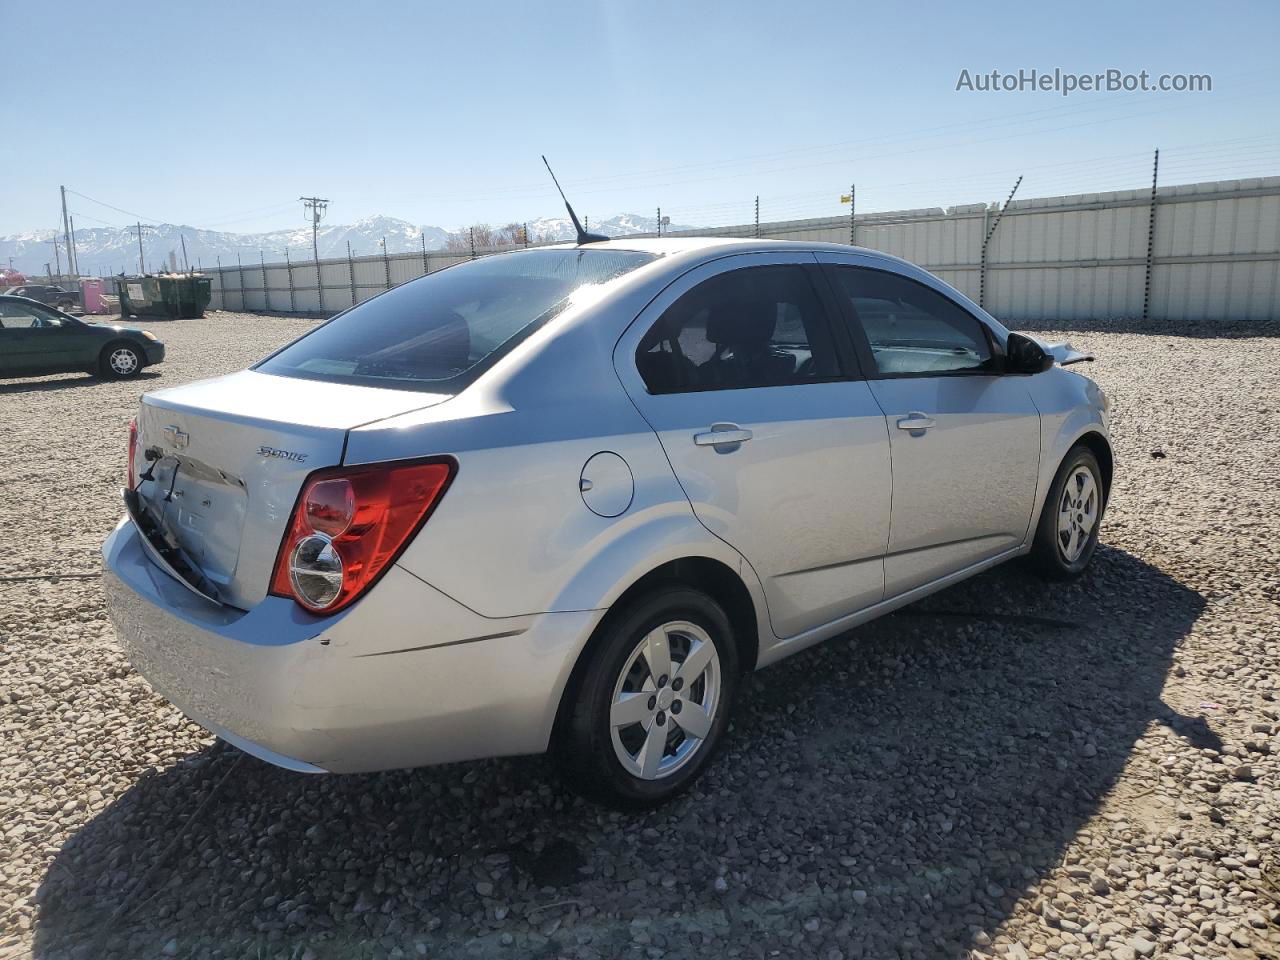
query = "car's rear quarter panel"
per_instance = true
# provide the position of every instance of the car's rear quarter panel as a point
(513, 534)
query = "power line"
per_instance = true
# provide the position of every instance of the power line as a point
(116, 209)
(644, 179)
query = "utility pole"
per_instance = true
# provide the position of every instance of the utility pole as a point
(185, 262)
(659, 221)
(426, 267)
(757, 216)
(142, 266)
(73, 261)
(57, 257)
(315, 208)
(66, 228)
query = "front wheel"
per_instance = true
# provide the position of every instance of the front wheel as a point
(120, 361)
(653, 703)
(1068, 532)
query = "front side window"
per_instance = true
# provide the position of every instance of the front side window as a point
(911, 328)
(754, 327)
(17, 316)
(441, 331)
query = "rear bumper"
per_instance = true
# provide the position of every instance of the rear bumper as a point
(405, 677)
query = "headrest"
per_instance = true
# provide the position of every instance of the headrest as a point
(742, 322)
(668, 327)
(450, 342)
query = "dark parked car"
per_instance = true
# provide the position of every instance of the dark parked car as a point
(49, 293)
(37, 340)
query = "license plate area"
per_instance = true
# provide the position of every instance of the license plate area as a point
(165, 551)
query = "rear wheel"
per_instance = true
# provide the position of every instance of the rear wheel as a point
(120, 361)
(653, 703)
(66, 306)
(1068, 532)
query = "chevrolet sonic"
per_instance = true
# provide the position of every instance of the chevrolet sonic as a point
(564, 499)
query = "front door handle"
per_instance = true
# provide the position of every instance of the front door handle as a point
(916, 422)
(722, 435)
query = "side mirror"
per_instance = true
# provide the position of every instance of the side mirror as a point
(1024, 355)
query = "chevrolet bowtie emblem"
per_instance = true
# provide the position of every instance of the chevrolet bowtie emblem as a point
(177, 438)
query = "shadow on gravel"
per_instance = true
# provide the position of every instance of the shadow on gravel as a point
(891, 793)
(69, 382)
(1195, 329)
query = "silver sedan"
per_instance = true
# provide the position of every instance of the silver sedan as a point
(565, 499)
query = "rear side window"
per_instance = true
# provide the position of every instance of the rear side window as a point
(911, 328)
(755, 327)
(440, 332)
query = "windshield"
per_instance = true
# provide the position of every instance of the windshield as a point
(439, 332)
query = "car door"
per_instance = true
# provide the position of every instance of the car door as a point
(777, 442)
(964, 437)
(18, 355)
(39, 340)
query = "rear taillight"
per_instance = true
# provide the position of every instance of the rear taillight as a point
(349, 525)
(132, 479)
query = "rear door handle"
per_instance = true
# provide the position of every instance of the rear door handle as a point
(722, 434)
(915, 421)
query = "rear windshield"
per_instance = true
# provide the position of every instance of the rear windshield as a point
(441, 331)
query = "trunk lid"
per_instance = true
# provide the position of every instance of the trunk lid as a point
(229, 456)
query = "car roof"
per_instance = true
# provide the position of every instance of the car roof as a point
(681, 253)
(689, 249)
(683, 244)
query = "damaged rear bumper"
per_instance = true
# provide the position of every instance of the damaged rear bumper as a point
(405, 677)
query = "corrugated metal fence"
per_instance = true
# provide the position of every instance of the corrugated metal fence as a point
(1215, 256)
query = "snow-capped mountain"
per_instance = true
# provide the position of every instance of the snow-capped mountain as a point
(109, 250)
(622, 225)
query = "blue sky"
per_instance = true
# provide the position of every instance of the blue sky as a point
(220, 116)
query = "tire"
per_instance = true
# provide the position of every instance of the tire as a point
(1067, 538)
(589, 750)
(66, 306)
(114, 363)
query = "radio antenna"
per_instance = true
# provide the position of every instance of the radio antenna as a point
(583, 236)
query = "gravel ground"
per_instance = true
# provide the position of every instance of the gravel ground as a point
(1010, 768)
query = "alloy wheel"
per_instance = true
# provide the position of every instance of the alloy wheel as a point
(665, 700)
(1077, 513)
(123, 361)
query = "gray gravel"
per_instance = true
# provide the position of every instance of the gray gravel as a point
(956, 780)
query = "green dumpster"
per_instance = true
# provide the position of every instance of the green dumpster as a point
(170, 295)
